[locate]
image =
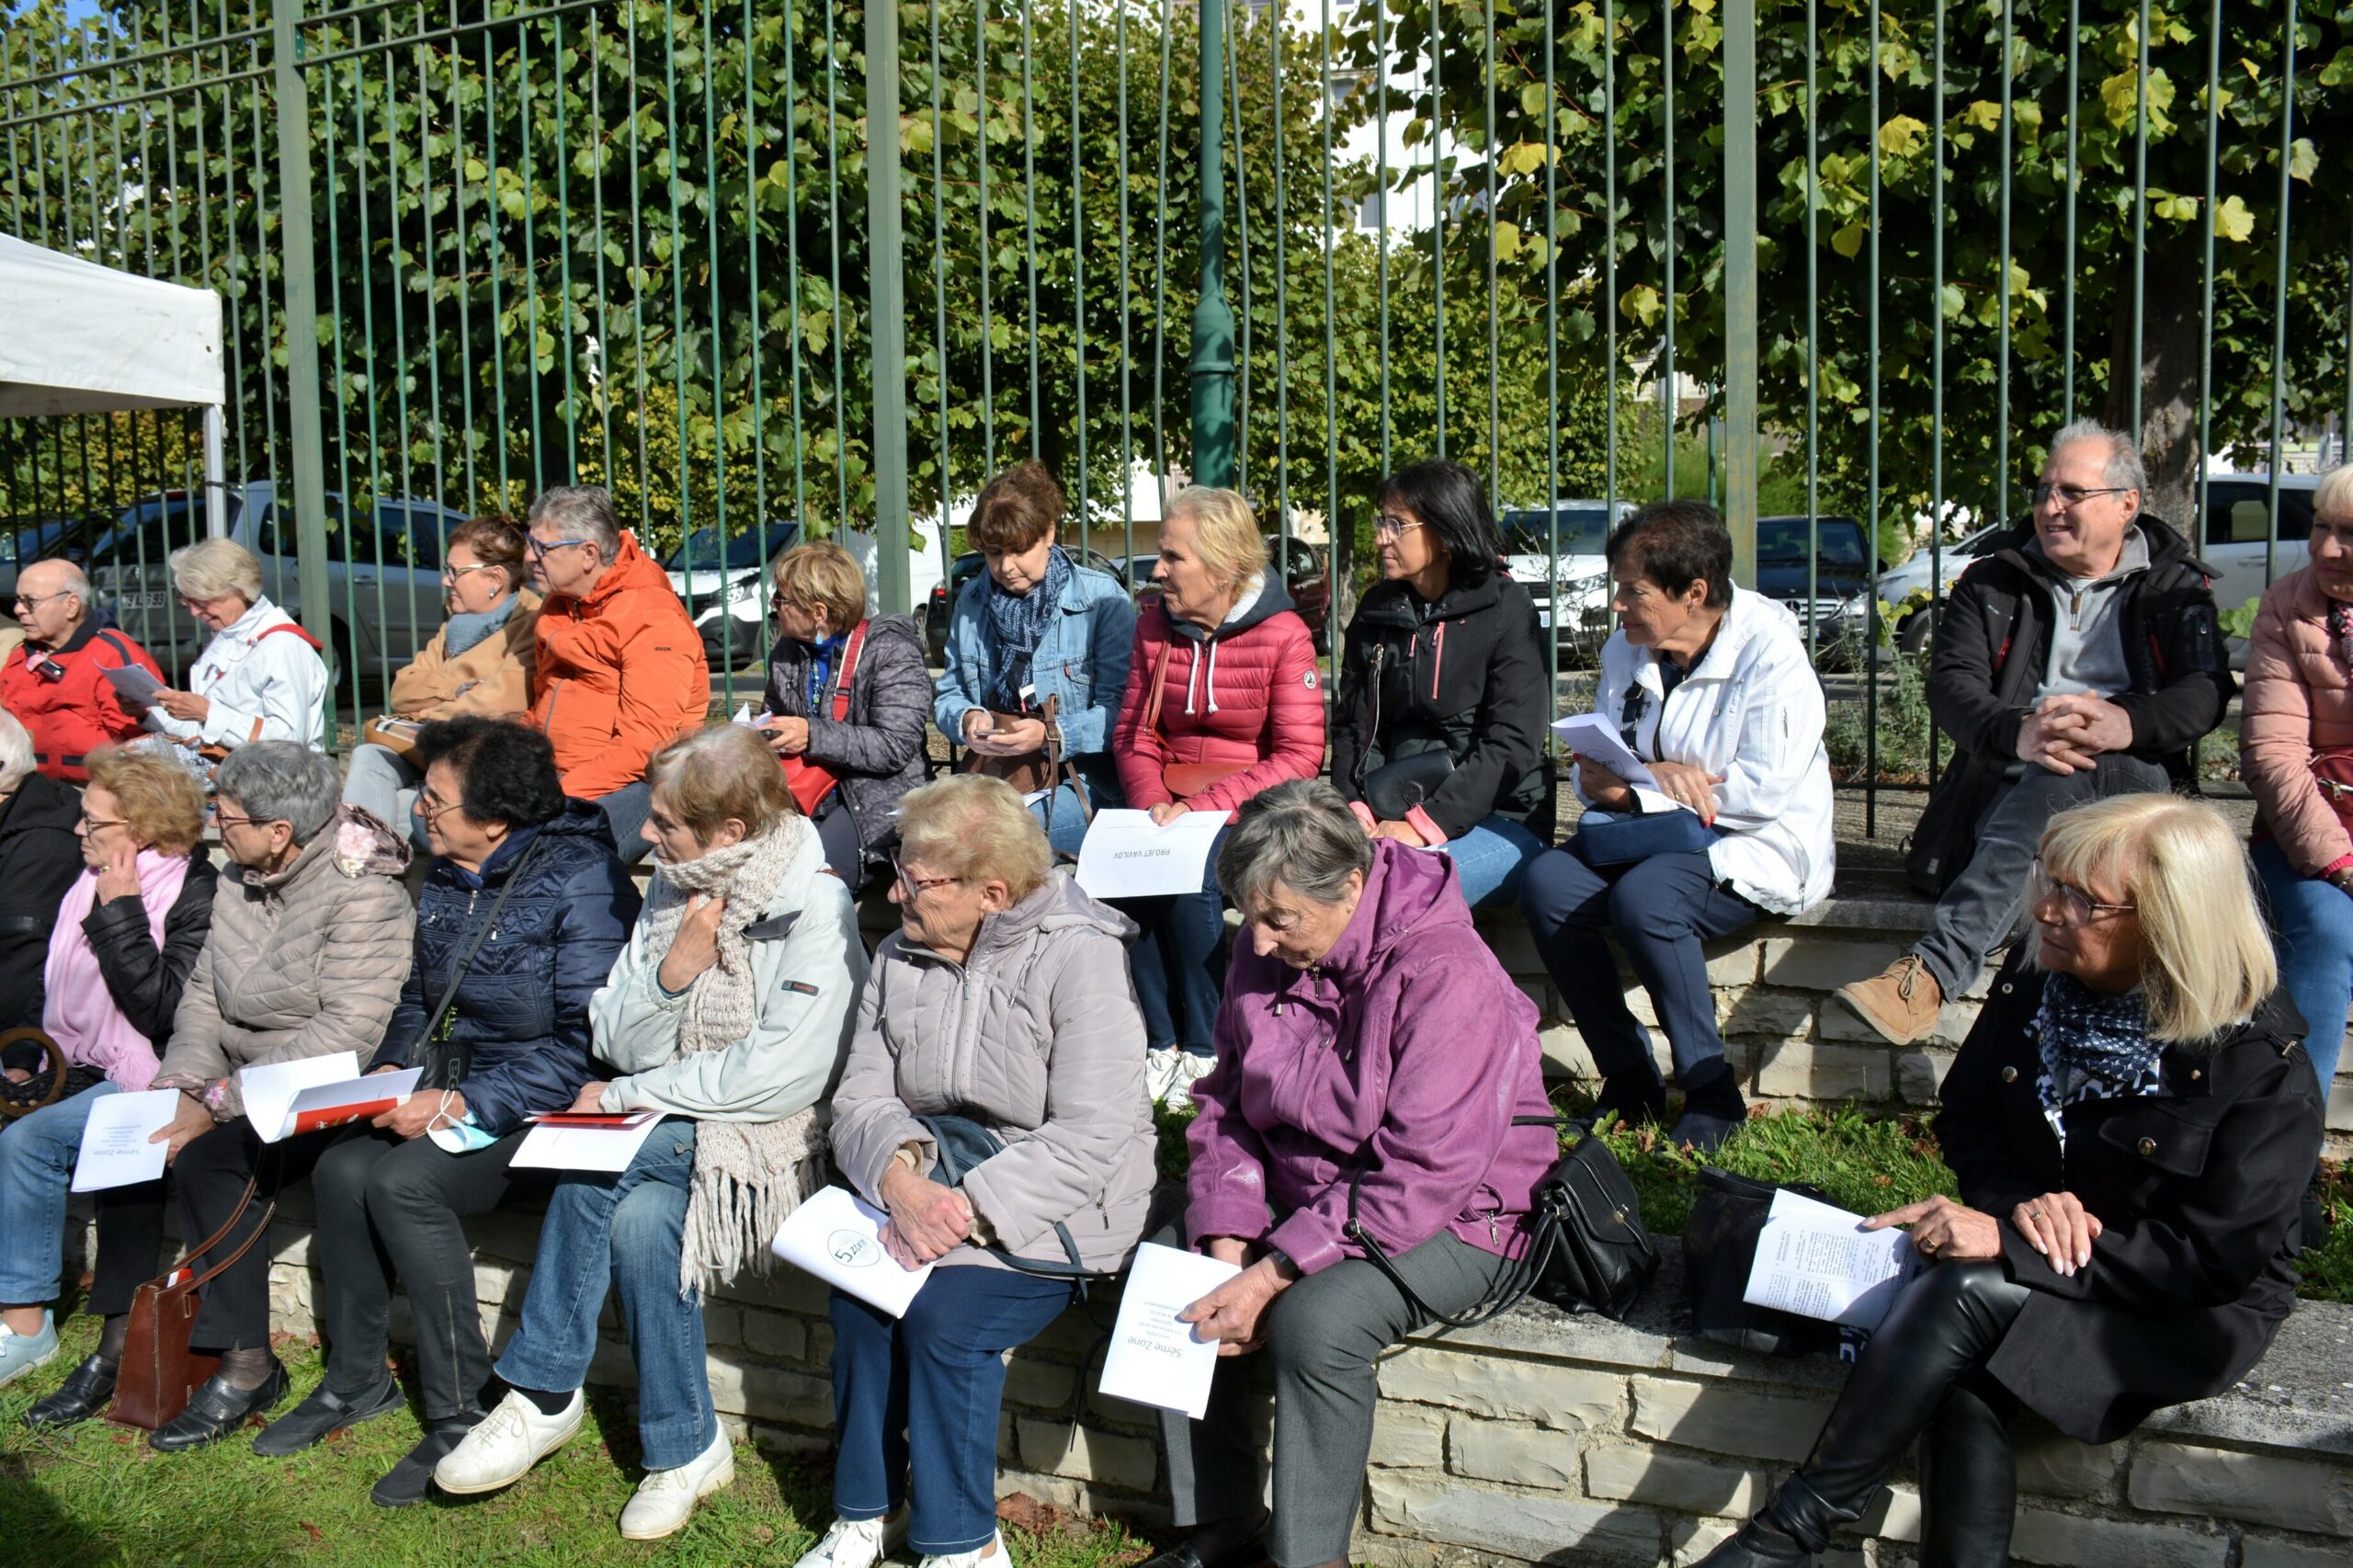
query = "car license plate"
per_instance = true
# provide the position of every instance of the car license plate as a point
(149, 599)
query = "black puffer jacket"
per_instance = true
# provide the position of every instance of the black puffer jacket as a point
(145, 981)
(518, 1041)
(2197, 1189)
(1464, 674)
(877, 751)
(39, 857)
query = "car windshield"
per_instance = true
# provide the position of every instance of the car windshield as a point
(1585, 530)
(1781, 542)
(747, 549)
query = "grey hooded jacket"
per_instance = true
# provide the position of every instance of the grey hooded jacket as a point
(1035, 1036)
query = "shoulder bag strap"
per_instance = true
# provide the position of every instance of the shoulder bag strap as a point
(850, 668)
(1151, 698)
(1543, 1240)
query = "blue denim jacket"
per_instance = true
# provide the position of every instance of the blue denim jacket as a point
(1082, 658)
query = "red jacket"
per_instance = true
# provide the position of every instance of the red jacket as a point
(72, 717)
(1249, 693)
(619, 676)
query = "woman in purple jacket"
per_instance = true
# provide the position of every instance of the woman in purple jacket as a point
(1367, 1036)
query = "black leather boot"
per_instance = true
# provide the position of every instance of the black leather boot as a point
(1969, 1480)
(1630, 1097)
(1757, 1545)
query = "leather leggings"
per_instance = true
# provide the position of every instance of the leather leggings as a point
(1923, 1376)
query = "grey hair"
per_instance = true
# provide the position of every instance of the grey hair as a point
(1300, 834)
(580, 511)
(2333, 496)
(282, 782)
(15, 751)
(213, 567)
(2123, 468)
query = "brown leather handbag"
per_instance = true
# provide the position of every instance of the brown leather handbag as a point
(1045, 769)
(160, 1373)
(1182, 781)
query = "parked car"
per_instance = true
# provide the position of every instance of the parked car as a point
(1559, 555)
(729, 599)
(1924, 569)
(1839, 561)
(938, 604)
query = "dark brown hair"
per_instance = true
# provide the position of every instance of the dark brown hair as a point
(1015, 509)
(496, 542)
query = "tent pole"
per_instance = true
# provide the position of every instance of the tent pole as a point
(216, 494)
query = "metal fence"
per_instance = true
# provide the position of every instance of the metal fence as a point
(1835, 258)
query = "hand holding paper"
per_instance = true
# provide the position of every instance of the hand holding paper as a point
(1127, 855)
(117, 1142)
(1819, 1262)
(838, 1236)
(285, 1099)
(1154, 1358)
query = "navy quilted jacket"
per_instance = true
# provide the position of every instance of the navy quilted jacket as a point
(519, 1026)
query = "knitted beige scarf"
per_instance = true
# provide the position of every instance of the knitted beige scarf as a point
(748, 1175)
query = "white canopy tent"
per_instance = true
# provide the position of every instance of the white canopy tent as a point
(80, 338)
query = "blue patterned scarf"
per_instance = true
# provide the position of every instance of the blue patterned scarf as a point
(818, 674)
(2093, 1048)
(461, 631)
(1018, 622)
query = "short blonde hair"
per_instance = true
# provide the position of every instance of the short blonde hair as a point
(2333, 496)
(718, 772)
(15, 751)
(1229, 542)
(824, 573)
(162, 804)
(212, 567)
(2206, 959)
(970, 826)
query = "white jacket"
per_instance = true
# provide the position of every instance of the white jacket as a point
(1751, 710)
(253, 675)
(808, 968)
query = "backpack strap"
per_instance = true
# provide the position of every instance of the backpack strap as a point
(316, 646)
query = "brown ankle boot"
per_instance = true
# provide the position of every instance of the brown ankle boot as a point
(1901, 1002)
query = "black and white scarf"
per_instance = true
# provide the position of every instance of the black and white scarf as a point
(2093, 1048)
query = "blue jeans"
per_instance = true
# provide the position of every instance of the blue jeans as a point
(1067, 828)
(1174, 963)
(2311, 926)
(917, 1397)
(623, 1231)
(36, 1155)
(1661, 909)
(1488, 859)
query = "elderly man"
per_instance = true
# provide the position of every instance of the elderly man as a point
(2080, 658)
(55, 682)
(620, 672)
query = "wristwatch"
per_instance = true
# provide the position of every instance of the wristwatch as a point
(1281, 1260)
(2342, 881)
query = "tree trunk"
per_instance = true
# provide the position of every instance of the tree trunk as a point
(2169, 389)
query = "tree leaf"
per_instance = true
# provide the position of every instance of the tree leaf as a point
(1902, 136)
(1847, 240)
(2233, 221)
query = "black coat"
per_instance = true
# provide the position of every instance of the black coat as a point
(877, 751)
(39, 857)
(145, 981)
(518, 1041)
(2197, 1186)
(1464, 674)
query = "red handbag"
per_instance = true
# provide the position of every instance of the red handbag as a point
(808, 781)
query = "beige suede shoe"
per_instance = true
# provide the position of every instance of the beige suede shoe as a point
(1901, 1002)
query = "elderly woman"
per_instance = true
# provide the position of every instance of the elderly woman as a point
(1371, 1052)
(728, 1013)
(847, 699)
(309, 950)
(1438, 730)
(2296, 749)
(478, 662)
(124, 940)
(1223, 699)
(260, 679)
(1035, 629)
(517, 862)
(998, 1015)
(2133, 1124)
(38, 861)
(1710, 688)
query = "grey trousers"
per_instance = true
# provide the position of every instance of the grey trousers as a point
(383, 781)
(1321, 1340)
(1982, 908)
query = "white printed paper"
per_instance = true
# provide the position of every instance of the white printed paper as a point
(1591, 735)
(117, 1149)
(286, 1099)
(1154, 1359)
(838, 1236)
(1817, 1261)
(1125, 856)
(586, 1144)
(134, 684)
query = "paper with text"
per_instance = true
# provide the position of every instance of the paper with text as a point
(135, 685)
(838, 1236)
(1154, 1359)
(593, 1142)
(1817, 1261)
(1125, 856)
(269, 1090)
(117, 1149)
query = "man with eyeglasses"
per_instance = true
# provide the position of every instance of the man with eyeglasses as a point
(55, 681)
(2079, 657)
(620, 671)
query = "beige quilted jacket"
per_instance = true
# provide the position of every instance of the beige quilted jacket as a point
(300, 963)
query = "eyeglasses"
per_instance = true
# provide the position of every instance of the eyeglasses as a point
(29, 600)
(431, 806)
(778, 604)
(539, 547)
(223, 818)
(2073, 494)
(454, 574)
(916, 885)
(2078, 907)
(92, 824)
(1388, 526)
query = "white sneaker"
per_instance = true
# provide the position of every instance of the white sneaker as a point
(1188, 1070)
(506, 1444)
(1159, 1072)
(855, 1543)
(666, 1497)
(995, 1557)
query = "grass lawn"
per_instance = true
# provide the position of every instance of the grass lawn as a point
(97, 1496)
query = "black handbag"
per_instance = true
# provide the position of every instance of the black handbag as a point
(963, 1144)
(1393, 788)
(1720, 1251)
(1587, 1249)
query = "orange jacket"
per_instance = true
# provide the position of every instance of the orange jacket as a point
(619, 675)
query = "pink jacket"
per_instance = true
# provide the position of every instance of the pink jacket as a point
(2298, 700)
(1249, 693)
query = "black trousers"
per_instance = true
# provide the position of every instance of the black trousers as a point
(232, 1310)
(130, 1248)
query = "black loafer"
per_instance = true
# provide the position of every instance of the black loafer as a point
(324, 1414)
(216, 1410)
(1251, 1553)
(83, 1393)
(408, 1481)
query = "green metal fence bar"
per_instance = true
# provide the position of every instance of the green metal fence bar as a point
(2279, 293)
(886, 323)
